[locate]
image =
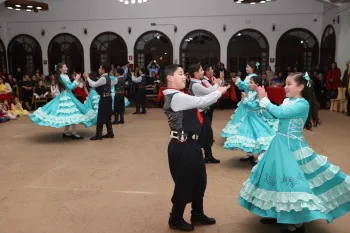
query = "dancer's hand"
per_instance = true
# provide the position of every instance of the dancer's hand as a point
(228, 86)
(217, 81)
(261, 92)
(243, 95)
(85, 75)
(222, 89)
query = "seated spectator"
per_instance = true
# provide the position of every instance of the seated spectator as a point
(3, 119)
(40, 91)
(5, 111)
(27, 91)
(5, 90)
(55, 90)
(16, 108)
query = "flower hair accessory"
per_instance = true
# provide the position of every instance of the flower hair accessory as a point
(307, 78)
(257, 65)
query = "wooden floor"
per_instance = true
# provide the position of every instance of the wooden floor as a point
(53, 185)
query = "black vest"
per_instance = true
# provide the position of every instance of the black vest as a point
(186, 121)
(120, 87)
(190, 91)
(106, 88)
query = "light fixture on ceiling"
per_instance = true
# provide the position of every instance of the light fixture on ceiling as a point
(126, 2)
(28, 5)
(252, 2)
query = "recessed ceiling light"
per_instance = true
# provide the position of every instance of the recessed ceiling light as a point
(30, 6)
(18, 5)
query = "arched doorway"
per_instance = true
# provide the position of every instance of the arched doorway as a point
(199, 46)
(67, 49)
(328, 46)
(2, 57)
(153, 46)
(247, 45)
(108, 48)
(299, 48)
(24, 52)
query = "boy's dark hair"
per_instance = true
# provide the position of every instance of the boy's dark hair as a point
(194, 68)
(106, 68)
(170, 70)
(119, 71)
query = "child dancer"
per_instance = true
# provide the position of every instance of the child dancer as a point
(119, 99)
(65, 109)
(185, 156)
(94, 98)
(291, 184)
(236, 118)
(252, 134)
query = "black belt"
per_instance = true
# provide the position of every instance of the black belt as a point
(183, 136)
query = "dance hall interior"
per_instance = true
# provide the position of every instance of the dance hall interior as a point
(161, 116)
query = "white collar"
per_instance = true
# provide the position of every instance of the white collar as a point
(170, 91)
(196, 80)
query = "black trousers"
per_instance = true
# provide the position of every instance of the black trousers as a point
(188, 171)
(104, 115)
(119, 104)
(206, 138)
(141, 100)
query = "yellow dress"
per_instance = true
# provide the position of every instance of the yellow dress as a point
(2, 88)
(17, 110)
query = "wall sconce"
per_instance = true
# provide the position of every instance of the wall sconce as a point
(175, 28)
(224, 27)
(85, 31)
(273, 27)
(338, 19)
(42, 32)
(129, 30)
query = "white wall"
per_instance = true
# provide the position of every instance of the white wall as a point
(67, 16)
(342, 31)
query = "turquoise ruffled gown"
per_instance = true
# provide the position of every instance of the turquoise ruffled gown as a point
(291, 182)
(239, 113)
(253, 134)
(65, 109)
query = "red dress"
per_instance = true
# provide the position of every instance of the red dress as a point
(80, 91)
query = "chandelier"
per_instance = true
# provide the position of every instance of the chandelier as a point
(126, 2)
(26, 5)
(252, 2)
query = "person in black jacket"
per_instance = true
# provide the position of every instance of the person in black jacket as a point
(104, 114)
(140, 91)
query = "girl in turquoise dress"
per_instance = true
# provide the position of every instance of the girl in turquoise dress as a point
(291, 184)
(240, 113)
(65, 109)
(253, 135)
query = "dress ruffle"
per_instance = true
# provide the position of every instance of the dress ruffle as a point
(63, 110)
(329, 197)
